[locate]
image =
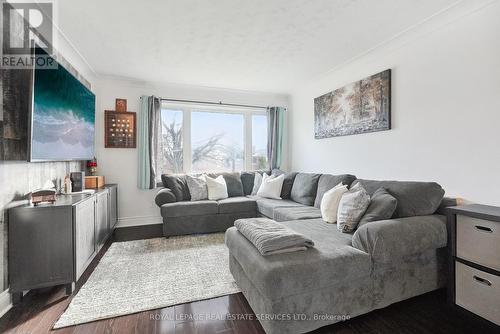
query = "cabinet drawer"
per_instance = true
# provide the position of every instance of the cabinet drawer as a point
(478, 241)
(478, 292)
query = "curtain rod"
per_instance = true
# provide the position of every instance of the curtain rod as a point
(215, 103)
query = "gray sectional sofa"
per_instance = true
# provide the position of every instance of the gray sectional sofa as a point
(301, 196)
(345, 274)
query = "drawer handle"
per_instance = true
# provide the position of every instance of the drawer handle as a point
(482, 280)
(484, 229)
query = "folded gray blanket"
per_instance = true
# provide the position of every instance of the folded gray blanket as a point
(270, 237)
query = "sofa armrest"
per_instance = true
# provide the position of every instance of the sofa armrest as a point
(391, 239)
(164, 196)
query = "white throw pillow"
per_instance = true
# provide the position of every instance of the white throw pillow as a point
(330, 203)
(257, 181)
(271, 186)
(352, 207)
(217, 188)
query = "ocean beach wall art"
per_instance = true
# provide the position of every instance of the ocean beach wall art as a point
(63, 117)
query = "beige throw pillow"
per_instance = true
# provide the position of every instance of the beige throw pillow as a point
(271, 186)
(330, 203)
(217, 188)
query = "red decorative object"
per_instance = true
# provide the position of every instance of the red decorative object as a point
(92, 166)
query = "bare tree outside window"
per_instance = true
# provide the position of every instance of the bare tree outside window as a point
(171, 146)
(217, 142)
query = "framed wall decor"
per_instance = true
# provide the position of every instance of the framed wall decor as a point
(121, 105)
(359, 107)
(120, 129)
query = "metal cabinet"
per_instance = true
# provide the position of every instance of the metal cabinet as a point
(53, 244)
(40, 247)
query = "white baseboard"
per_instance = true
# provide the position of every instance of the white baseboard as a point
(138, 221)
(5, 302)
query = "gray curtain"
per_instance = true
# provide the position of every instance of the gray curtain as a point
(154, 138)
(149, 137)
(275, 129)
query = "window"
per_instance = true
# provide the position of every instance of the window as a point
(171, 153)
(259, 142)
(217, 142)
(197, 138)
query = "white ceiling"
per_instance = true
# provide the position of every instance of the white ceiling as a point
(262, 45)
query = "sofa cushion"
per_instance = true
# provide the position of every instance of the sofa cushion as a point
(266, 206)
(295, 213)
(327, 182)
(189, 208)
(286, 189)
(332, 261)
(237, 204)
(247, 182)
(414, 198)
(304, 188)
(178, 185)
(382, 206)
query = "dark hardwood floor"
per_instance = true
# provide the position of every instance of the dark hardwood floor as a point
(424, 314)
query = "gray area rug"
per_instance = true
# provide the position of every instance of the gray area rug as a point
(141, 275)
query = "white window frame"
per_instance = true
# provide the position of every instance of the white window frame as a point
(188, 108)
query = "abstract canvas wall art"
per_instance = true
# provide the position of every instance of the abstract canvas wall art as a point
(359, 107)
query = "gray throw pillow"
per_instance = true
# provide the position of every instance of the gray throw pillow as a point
(304, 188)
(286, 189)
(177, 184)
(352, 207)
(233, 183)
(382, 206)
(197, 187)
(247, 181)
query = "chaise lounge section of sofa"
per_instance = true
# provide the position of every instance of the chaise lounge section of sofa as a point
(345, 274)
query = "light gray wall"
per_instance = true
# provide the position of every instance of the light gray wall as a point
(445, 109)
